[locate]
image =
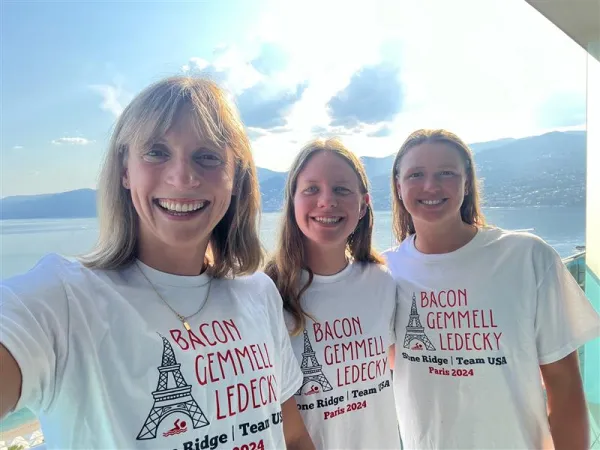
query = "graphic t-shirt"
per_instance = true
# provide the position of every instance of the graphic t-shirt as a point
(473, 326)
(107, 365)
(346, 395)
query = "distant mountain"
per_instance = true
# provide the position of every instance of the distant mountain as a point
(378, 166)
(479, 146)
(71, 204)
(540, 170)
(266, 174)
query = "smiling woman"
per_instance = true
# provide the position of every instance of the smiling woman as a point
(185, 178)
(176, 255)
(174, 148)
(338, 298)
(476, 301)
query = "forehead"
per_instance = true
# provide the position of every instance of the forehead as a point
(186, 132)
(183, 130)
(327, 166)
(431, 154)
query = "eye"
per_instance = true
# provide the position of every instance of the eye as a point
(415, 175)
(209, 160)
(310, 190)
(156, 153)
(342, 190)
(447, 173)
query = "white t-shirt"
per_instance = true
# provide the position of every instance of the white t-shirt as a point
(346, 396)
(107, 365)
(473, 327)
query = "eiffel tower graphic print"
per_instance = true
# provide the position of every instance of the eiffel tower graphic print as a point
(311, 369)
(415, 331)
(172, 394)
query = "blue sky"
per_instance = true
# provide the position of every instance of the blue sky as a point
(370, 73)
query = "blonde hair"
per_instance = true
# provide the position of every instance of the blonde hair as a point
(288, 260)
(235, 247)
(470, 210)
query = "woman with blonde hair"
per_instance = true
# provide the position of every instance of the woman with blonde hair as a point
(339, 301)
(482, 311)
(161, 337)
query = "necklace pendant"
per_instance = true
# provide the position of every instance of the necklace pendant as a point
(186, 325)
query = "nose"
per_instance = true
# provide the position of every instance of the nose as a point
(327, 199)
(181, 174)
(431, 183)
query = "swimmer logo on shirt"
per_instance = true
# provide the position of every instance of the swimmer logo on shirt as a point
(415, 331)
(312, 370)
(172, 394)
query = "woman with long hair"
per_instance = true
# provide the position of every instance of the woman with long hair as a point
(482, 311)
(339, 300)
(161, 337)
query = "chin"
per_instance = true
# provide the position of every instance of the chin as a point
(187, 240)
(434, 219)
(328, 242)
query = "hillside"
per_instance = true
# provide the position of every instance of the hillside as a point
(540, 170)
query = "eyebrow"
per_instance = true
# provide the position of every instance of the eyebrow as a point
(444, 166)
(340, 181)
(203, 145)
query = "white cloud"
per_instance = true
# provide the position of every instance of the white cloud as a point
(18, 147)
(114, 98)
(71, 141)
(480, 68)
(229, 66)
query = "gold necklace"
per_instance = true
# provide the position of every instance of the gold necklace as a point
(183, 319)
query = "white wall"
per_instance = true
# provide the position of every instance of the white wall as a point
(593, 162)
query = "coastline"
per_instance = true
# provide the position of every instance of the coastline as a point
(23, 430)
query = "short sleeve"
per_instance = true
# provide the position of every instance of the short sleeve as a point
(33, 319)
(565, 318)
(291, 376)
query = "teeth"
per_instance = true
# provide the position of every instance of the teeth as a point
(328, 219)
(182, 207)
(432, 202)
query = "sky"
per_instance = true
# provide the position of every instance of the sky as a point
(369, 72)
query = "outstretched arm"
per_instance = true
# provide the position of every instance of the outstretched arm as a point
(567, 409)
(10, 382)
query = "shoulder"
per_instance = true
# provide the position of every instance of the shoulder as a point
(55, 277)
(391, 251)
(257, 287)
(378, 273)
(256, 282)
(397, 253)
(48, 274)
(518, 242)
(41, 296)
(520, 248)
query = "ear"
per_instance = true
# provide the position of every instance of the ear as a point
(125, 178)
(399, 189)
(365, 204)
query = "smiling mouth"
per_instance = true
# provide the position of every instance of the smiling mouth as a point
(181, 208)
(328, 220)
(433, 202)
